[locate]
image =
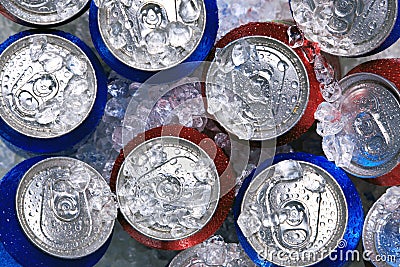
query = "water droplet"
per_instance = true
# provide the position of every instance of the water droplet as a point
(282, 66)
(294, 84)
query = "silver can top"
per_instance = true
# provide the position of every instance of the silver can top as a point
(48, 86)
(152, 35)
(293, 213)
(43, 12)
(370, 109)
(65, 207)
(168, 188)
(381, 229)
(257, 88)
(346, 27)
(214, 252)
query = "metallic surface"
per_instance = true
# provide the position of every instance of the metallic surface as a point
(43, 12)
(56, 206)
(48, 86)
(152, 35)
(380, 231)
(371, 112)
(298, 213)
(257, 88)
(168, 188)
(346, 28)
(213, 252)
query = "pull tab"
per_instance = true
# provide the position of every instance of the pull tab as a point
(39, 89)
(295, 231)
(65, 212)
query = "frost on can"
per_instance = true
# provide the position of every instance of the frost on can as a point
(381, 230)
(257, 88)
(370, 109)
(52, 91)
(301, 211)
(213, 252)
(168, 188)
(65, 207)
(292, 207)
(43, 13)
(138, 38)
(348, 28)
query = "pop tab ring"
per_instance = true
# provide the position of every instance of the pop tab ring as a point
(278, 31)
(299, 213)
(226, 181)
(148, 23)
(14, 239)
(389, 69)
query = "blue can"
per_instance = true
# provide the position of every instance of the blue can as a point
(53, 91)
(139, 38)
(301, 211)
(55, 229)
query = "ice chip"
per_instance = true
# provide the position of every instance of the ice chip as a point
(76, 65)
(330, 147)
(296, 37)
(323, 70)
(222, 140)
(216, 255)
(51, 62)
(327, 112)
(314, 182)
(249, 223)
(67, 8)
(329, 128)
(80, 178)
(189, 10)
(77, 86)
(288, 170)
(156, 41)
(241, 52)
(179, 34)
(346, 148)
(47, 115)
(331, 92)
(338, 149)
(38, 44)
(109, 210)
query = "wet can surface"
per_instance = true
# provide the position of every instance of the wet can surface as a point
(57, 211)
(370, 111)
(257, 88)
(59, 206)
(380, 233)
(173, 187)
(43, 13)
(52, 89)
(301, 211)
(168, 188)
(348, 28)
(138, 38)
